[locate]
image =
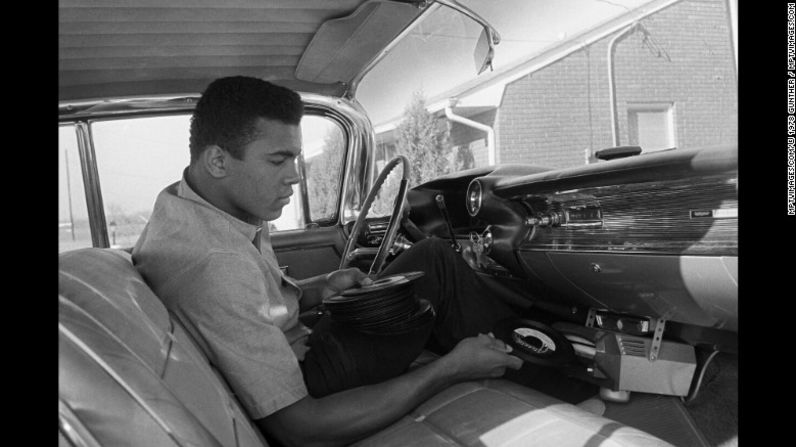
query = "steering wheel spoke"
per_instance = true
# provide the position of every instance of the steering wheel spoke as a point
(395, 218)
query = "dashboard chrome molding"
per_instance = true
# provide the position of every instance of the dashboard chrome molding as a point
(684, 216)
(474, 197)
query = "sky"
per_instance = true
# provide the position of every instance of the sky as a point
(434, 64)
(137, 158)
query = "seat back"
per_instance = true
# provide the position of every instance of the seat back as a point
(129, 373)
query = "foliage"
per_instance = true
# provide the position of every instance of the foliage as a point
(424, 140)
(464, 158)
(323, 176)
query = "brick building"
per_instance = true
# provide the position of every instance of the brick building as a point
(675, 86)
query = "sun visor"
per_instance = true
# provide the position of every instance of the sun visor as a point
(342, 47)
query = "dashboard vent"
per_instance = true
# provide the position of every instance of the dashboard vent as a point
(632, 346)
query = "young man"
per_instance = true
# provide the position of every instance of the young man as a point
(207, 254)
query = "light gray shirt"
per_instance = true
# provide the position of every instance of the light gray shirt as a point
(220, 276)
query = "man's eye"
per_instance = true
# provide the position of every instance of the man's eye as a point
(278, 161)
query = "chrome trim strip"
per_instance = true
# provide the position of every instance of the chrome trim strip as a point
(353, 124)
(91, 184)
(358, 173)
(72, 427)
(134, 105)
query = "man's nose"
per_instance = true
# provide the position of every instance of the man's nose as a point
(293, 176)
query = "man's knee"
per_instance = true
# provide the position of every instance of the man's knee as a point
(434, 246)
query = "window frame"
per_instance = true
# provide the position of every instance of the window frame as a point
(305, 204)
(347, 115)
(82, 151)
(88, 170)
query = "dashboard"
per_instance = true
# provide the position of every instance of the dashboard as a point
(653, 235)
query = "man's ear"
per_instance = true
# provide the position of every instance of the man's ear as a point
(214, 161)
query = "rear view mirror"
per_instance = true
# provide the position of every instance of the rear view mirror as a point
(489, 37)
(484, 52)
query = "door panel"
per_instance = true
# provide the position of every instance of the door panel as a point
(309, 252)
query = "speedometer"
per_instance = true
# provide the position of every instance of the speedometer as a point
(474, 193)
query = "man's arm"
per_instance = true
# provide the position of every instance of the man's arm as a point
(347, 416)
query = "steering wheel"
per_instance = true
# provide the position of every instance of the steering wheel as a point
(349, 253)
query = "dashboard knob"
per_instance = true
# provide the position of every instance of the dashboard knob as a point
(545, 220)
(555, 218)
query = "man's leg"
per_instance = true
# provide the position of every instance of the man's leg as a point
(341, 358)
(464, 304)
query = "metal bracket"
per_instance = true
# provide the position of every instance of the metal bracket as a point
(657, 339)
(590, 317)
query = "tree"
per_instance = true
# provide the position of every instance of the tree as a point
(323, 176)
(424, 140)
(464, 158)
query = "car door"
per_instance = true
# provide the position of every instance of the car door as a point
(115, 159)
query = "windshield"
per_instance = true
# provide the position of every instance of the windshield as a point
(569, 78)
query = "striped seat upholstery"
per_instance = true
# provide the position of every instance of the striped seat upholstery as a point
(130, 375)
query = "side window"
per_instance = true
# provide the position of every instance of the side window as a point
(136, 159)
(321, 165)
(73, 225)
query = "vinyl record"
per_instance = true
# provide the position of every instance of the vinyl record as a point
(376, 286)
(423, 315)
(380, 302)
(535, 342)
(411, 276)
(387, 306)
(382, 284)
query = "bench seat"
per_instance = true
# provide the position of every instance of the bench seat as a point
(130, 375)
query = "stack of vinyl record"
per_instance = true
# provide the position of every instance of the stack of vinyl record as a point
(388, 306)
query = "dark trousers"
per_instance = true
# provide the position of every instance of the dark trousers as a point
(340, 358)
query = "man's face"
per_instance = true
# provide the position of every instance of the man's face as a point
(260, 185)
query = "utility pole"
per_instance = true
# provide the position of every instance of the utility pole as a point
(69, 195)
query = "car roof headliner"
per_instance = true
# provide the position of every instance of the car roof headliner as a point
(110, 49)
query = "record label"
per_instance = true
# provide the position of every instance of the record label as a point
(533, 340)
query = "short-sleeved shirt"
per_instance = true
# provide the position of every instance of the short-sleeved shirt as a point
(220, 276)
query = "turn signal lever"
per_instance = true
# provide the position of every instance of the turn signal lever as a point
(440, 201)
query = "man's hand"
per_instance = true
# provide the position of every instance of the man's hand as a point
(340, 280)
(345, 417)
(481, 357)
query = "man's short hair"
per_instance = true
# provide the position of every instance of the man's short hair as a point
(229, 107)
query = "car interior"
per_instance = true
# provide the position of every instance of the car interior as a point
(623, 270)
